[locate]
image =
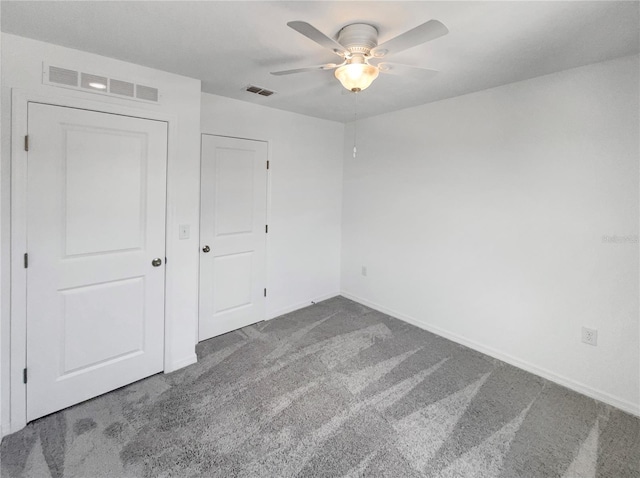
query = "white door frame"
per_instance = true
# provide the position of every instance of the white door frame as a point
(19, 128)
(268, 219)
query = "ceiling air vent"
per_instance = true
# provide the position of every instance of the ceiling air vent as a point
(259, 91)
(83, 81)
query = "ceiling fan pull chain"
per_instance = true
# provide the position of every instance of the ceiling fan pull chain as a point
(355, 125)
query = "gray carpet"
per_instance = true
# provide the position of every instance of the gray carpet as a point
(335, 390)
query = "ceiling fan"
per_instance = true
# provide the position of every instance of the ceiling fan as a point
(357, 44)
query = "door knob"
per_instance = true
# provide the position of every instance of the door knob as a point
(206, 249)
(157, 262)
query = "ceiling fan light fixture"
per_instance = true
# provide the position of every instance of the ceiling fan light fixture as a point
(357, 43)
(356, 76)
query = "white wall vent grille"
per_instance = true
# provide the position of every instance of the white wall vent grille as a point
(123, 88)
(93, 81)
(102, 85)
(146, 93)
(63, 76)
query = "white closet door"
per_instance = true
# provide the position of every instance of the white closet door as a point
(232, 234)
(95, 222)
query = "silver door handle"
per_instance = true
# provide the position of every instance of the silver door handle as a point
(157, 262)
(206, 249)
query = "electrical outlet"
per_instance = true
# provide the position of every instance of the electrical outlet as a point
(184, 231)
(364, 271)
(589, 336)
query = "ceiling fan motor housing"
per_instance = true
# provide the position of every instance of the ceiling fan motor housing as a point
(358, 38)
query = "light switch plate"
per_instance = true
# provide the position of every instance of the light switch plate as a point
(184, 231)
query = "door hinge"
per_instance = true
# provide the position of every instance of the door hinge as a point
(24, 375)
(266, 228)
(26, 260)
(265, 292)
(267, 164)
(165, 260)
(26, 142)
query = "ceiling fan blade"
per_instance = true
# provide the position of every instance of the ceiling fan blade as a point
(421, 34)
(328, 66)
(406, 70)
(312, 33)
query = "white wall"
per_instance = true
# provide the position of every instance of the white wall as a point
(303, 245)
(22, 68)
(482, 218)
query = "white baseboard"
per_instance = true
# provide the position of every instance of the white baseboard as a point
(623, 405)
(300, 305)
(183, 362)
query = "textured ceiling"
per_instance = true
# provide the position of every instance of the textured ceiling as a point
(229, 45)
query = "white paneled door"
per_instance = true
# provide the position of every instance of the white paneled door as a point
(232, 234)
(96, 195)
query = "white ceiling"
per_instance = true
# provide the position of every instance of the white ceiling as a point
(232, 44)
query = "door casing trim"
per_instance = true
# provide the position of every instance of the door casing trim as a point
(20, 100)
